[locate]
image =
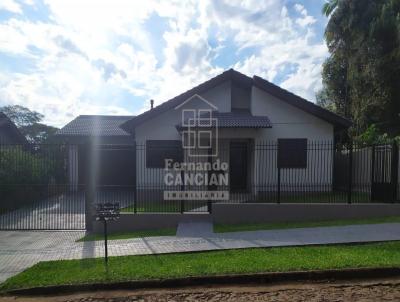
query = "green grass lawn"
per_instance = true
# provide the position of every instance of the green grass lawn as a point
(206, 264)
(314, 197)
(128, 235)
(223, 228)
(163, 207)
(154, 207)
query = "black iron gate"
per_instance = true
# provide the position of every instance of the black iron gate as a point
(39, 188)
(384, 175)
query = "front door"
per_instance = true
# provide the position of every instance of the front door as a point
(238, 166)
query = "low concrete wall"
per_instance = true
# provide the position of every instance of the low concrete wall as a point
(257, 212)
(230, 213)
(147, 221)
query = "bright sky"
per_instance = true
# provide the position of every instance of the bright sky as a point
(65, 58)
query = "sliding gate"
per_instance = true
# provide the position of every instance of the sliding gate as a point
(39, 188)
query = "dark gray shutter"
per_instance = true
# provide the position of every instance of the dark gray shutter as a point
(292, 153)
(157, 151)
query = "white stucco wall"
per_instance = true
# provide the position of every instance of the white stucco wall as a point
(287, 122)
(163, 127)
(291, 122)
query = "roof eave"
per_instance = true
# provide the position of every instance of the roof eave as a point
(282, 94)
(172, 103)
(301, 103)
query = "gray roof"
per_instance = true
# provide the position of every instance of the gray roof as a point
(244, 81)
(238, 118)
(95, 125)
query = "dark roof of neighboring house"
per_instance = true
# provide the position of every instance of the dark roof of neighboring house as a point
(95, 125)
(6, 123)
(244, 81)
(238, 118)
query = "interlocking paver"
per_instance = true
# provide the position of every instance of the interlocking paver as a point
(20, 250)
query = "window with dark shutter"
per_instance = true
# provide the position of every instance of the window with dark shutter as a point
(292, 153)
(157, 151)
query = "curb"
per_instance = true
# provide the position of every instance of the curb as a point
(259, 278)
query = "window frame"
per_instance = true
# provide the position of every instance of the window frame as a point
(296, 154)
(155, 148)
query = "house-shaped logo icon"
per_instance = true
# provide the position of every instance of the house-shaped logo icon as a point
(199, 128)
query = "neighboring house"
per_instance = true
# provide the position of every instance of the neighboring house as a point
(9, 133)
(247, 110)
(116, 166)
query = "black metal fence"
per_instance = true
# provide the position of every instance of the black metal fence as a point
(279, 172)
(55, 186)
(37, 188)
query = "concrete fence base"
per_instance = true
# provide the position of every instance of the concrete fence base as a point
(229, 213)
(265, 213)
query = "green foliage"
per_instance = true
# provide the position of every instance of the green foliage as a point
(21, 116)
(28, 123)
(325, 101)
(373, 136)
(362, 75)
(20, 166)
(27, 174)
(329, 7)
(38, 132)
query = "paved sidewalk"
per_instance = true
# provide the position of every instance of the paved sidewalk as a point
(20, 250)
(200, 226)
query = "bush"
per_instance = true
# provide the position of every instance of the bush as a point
(28, 174)
(373, 136)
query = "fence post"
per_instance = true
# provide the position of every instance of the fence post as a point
(350, 187)
(182, 206)
(279, 185)
(135, 147)
(394, 170)
(372, 173)
(89, 187)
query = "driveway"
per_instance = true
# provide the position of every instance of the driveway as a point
(61, 212)
(21, 249)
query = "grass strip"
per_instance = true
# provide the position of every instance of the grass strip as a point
(224, 228)
(255, 260)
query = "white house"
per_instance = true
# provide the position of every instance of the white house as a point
(246, 119)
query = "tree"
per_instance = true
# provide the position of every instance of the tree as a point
(38, 132)
(324, 100)
(21, 116)
(329, 7)
(362, 74)
(28, 123)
